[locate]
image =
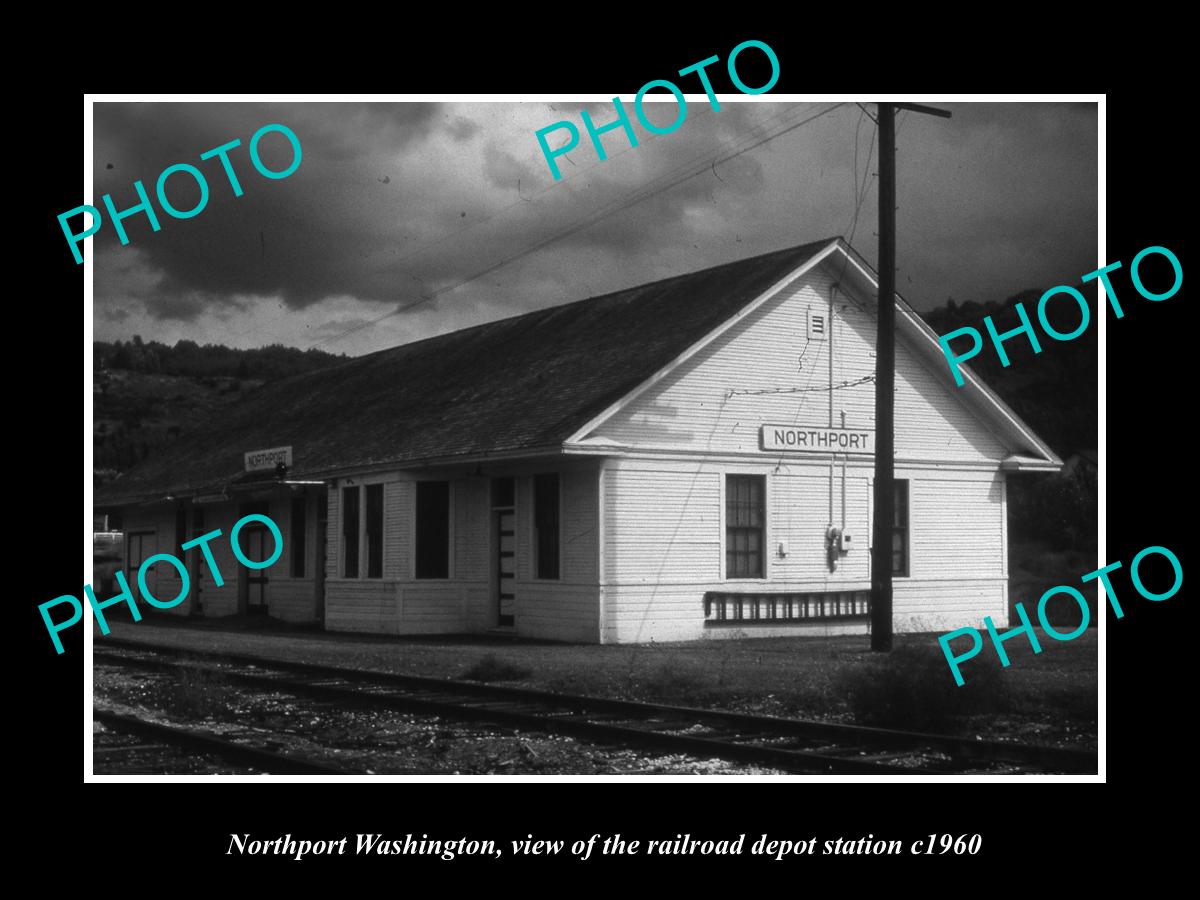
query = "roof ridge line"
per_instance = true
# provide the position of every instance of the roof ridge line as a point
(549, 309)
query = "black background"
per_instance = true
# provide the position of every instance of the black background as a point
(126, 831)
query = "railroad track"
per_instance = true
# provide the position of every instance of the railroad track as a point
(793, 745)
(161, 734)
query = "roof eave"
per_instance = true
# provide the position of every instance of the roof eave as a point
(973, 391)
(1030, 464)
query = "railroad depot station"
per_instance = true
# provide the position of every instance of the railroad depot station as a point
(685, 459)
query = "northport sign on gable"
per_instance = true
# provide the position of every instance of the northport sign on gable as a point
(817, 440)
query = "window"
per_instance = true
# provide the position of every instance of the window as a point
(433, 529)
(299, 535)
(180, 525)
(375, 531)
(545, 524)
(745, 515)
(350, 532)
(503, 492)
(900, 527)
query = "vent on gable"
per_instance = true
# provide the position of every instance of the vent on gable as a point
(818, 325)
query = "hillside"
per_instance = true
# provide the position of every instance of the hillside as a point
(1055, 391)
(145, 394)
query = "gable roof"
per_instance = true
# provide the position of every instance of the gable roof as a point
(985, 402)
(525, 383)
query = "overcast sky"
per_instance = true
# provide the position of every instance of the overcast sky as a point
(395, 203)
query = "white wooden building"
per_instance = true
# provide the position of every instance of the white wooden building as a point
(686, 459)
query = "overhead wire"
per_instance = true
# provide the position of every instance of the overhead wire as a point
(672, 178)
(573, 177)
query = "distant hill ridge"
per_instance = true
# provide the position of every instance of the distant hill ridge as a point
(146, 393)
(190, 358)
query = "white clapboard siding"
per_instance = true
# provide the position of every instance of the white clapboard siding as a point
(703, 404)
(566, 609)
(946, 605)
(579, 549)
(360, 604)
(956, 522)
(664, 544)
(559, 611)
(664, 521)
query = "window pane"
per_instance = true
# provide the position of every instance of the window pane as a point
(350, 532)
(745, 521)
(375, 531)
(503, 492)
(545, 520)
(900, 506)
(900, 528)
(433, 529)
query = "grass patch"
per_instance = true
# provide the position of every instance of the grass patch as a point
(491, 668)
(668, 682)
(1051, 696)
(201, 693)
(913, 688)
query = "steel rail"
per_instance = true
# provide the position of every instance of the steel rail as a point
(570, 708)
(208, 742)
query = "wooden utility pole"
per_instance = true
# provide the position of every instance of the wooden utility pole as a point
(885, 378)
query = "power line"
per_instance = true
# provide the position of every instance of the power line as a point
(586, 221)
(861, 195)
(705, 159)
(573, 177)
(804, 390)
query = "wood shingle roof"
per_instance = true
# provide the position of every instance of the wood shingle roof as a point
(520, 384)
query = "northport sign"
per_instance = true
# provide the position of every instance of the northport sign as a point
(817, 440)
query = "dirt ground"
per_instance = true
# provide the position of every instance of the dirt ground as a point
(1047, 698)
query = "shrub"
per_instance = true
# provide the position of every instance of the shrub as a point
(491, 668)
(913, 688)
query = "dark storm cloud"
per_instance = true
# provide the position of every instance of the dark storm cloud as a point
(399, 204)
(185, 307)
(298, 237)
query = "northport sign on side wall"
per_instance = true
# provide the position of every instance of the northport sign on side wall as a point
(267, 460)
